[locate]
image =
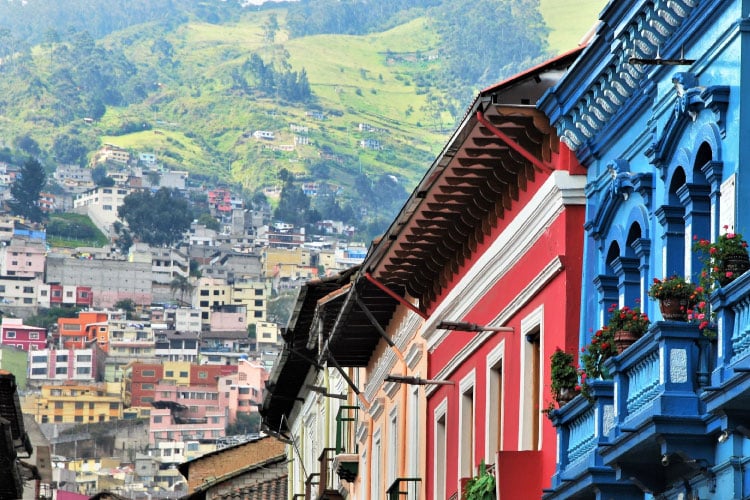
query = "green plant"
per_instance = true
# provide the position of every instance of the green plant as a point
(674, 287)
(601, 348)
(563, 372)
(714, 257)
(628, 319)
(481, 486)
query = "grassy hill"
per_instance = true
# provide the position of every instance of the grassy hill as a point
(377, 87)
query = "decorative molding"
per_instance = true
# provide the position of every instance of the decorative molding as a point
(377, 408)
(605, 94)
(414, 355)
(522, 233)
(551, 270)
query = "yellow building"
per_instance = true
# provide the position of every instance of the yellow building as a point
(286, 264)
(266, 333)
(211, 293)
(177, 372)
(77, 404)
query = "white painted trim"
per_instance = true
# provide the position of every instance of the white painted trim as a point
(414, 354)
(533, 320)
(467, 383)
(441, 411)
(495, 356)
(551, 270)
(527, 227)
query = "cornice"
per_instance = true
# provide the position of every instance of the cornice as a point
(527, 227)
(552, 269)
(612, 81)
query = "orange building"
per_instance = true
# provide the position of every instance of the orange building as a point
(86, 328)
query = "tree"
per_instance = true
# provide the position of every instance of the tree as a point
(157, 219)
(126, 305)
(181, 284)
(210, 222)
(25, 191)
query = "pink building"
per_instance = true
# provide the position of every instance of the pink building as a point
(167, 423)
(197, 400)
(241, 392)
(29, 338)
(82, 365)
(23, 257)
(229, 318)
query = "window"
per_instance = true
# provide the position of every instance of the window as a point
(83, 358)
(79, 406)
(204, 293)
(10, 334)
(494, 407)
(202, 374)
(169, 373)
(414, 429)
(441, 456)
(83, 370)
(38, 371)
(43, 293)
(78, 418)
(391, 459)
(147, 387)
(28, 300)
(33, 335)
(61, 370)
(2, 288)
(258, 303)
(375, 474)
(58, 405)
(184, 374)
(203, 303)
(258, 291)
(114, 406)
(466, 427)
(244, 390)
(148, 373)
(58, 418)
(28, 289)
(157, 419)
(257, 314)
(531, 377)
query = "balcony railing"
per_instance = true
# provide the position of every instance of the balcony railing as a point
(650, 409)
(404, 488)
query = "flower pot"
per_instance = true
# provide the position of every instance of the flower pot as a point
(736, 264)
(624, 339)
(673, 309)
(565, 395)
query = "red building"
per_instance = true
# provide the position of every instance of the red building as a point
(209, 374)
(511, 296)
(29, 338)
(140, 381)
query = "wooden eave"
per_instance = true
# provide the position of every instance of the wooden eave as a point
(475, 180)
(298, 354)
(461, 207)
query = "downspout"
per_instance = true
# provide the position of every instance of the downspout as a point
(540, 165)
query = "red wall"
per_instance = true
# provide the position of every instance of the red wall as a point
(561, 300)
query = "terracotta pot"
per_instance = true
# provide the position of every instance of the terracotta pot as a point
(673, 309)
(565, 396)
(736, 264)
(624, 339)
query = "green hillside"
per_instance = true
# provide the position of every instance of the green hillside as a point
(348, 109)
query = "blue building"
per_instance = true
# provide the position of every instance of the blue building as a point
(654, 110)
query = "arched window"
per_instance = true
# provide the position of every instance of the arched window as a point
(672, 217)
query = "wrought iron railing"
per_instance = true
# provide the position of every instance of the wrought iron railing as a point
(346, 419)
(404, 488)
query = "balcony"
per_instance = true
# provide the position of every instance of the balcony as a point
(404, 488)
(647, 429)
(327, 487)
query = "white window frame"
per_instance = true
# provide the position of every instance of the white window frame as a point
(439, 462)
(495, 357)
(466, 463)
(528, 324)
